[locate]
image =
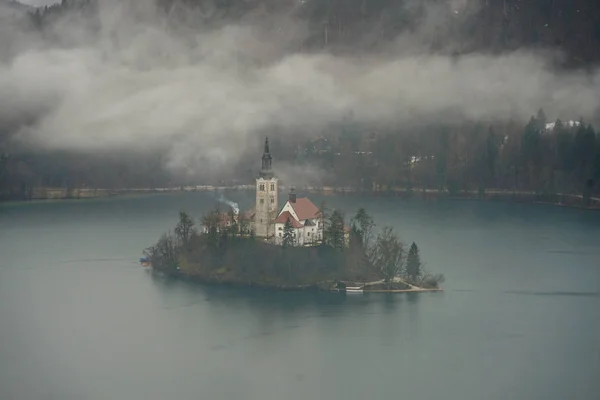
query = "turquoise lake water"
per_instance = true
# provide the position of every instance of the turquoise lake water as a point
(519, 317)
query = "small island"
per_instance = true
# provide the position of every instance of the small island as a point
(297, 247)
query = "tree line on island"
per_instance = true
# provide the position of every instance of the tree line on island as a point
(230, 253)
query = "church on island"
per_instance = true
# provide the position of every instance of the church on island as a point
(268, 220)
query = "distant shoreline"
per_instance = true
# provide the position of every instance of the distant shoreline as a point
(559, 199)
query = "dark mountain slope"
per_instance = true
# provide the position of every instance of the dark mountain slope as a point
(457, 26)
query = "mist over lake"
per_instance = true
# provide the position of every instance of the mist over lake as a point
(518, 318)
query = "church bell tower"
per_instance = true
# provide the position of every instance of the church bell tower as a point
(266, 197)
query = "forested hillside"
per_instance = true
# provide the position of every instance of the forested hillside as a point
(538, 157)
(460, 26)
(450, 154)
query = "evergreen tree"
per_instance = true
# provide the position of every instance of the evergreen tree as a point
(596, 173)
(288, 233)
(564, 147)
(584, 148)
(558, 126)
(364, 224)
(591, 140)
(441, 158)
(531, 151)
(540, 120)
(531, 142)
(580, 147)
(3, 164)
(413, 264)
(491, 157)
(335, 230)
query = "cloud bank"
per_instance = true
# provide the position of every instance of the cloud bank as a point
(141, 81)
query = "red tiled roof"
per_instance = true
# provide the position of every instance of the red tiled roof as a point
(305, 209)
(224, 219)
(283, 218)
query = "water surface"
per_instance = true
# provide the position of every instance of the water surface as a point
(519, 317)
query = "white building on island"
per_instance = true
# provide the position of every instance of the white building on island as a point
(305, 219)
(267, 223)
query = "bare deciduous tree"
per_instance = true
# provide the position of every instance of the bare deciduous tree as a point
(185, 229)
(389, 254)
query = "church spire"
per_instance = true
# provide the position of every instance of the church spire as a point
(266, 171)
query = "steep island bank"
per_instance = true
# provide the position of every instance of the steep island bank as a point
(228, 254)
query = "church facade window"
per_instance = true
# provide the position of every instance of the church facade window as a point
(262, 201)
(262, 187)
(272, 187)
